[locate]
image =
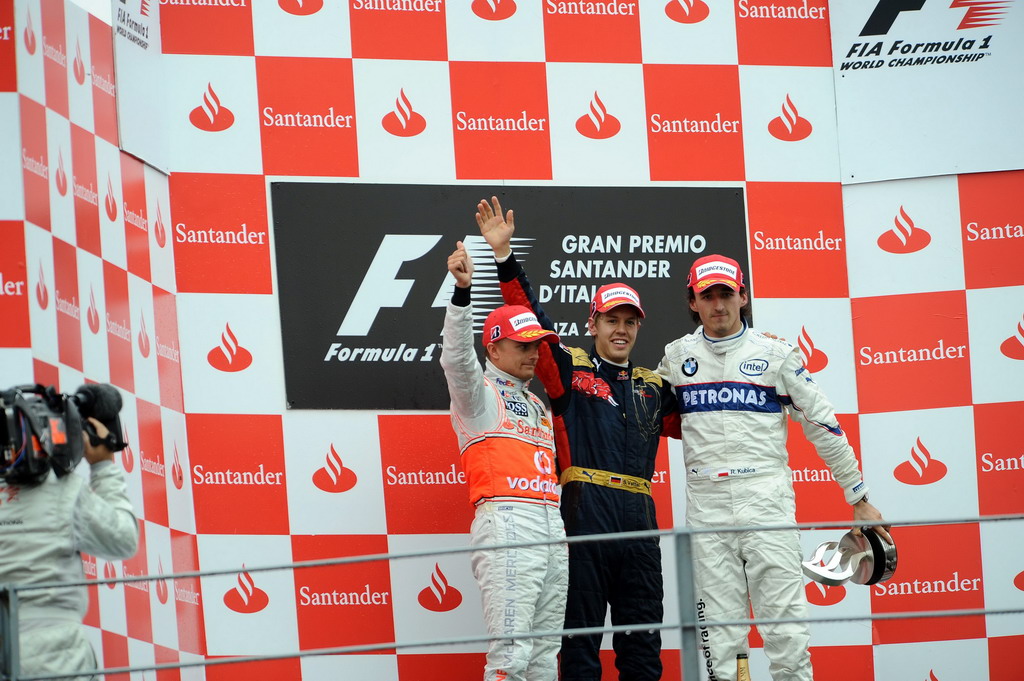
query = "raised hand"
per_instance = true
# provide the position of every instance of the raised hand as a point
(496, 230)
(460, 264)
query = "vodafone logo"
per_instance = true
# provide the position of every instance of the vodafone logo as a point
(542, 461)
(819, 594)
(110, 202)
(494, 10)
(440, 596)
(920, 468)
(211, 116)
(1018, 581)
(598, 124)
(790, 126)
(813, 358)
(143, 337)
(334, 477)
(229, 356)
(161, 584)
(93, 314)
(159, 231)
(29, 35)
(904, 237)
(246, 598)
(1013, 347)
(687, 11)
(301, 8)
(403, 121)
(60, 178)
(42, 293)
(177, 472)
(78, 67)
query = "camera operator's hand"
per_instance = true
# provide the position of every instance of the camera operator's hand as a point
(100, 452)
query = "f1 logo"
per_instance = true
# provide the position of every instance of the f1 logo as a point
(886, 11)
(381, 287)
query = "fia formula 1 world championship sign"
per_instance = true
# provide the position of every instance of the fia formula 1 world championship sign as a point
(363, 282)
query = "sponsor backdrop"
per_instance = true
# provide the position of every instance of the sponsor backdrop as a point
(325, 156)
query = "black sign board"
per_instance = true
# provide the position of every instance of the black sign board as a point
(363, 284)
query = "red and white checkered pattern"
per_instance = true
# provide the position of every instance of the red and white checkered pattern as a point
(904, 298)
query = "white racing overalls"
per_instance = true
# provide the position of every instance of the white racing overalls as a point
(506, 443)
(734, 397)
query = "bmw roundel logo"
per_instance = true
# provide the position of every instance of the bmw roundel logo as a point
(690, 366)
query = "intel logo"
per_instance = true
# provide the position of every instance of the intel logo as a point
(754, 367)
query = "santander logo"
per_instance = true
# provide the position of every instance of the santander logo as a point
(790, 126)
(819, 594)
(920, 468)
(229, 356)
(42, 293)
(1018, 581)
(403, 121)
(210, 116)
(29, 35)
(334, 477)
(440, 596)
(110, 203)
(494, 10)
(143, 337)
(109, 572)
(931, 676)
(159, 233)
(814, 359)
(687, 11)
(904, 237)
(93, 314)
(60, 178)
(161, 584)
(144, 8)
(598, 124)
(1013, 347)
(127, 456)
(301, 8)
(79, 65)
(246, 598)
(177, 474)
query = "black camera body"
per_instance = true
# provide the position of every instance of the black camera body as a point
(39, 429)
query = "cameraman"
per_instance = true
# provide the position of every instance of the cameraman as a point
(43, 529)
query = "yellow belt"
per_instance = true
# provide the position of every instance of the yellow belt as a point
(629, 483)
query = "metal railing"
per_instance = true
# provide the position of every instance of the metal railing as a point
(688, 625)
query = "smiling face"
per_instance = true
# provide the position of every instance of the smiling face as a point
(720, 309)
(515, 358)
(615, 332)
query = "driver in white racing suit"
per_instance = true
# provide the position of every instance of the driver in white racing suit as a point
(735, 387)
(507, 452)
(43, 530)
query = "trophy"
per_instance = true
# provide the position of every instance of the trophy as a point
(862, 559)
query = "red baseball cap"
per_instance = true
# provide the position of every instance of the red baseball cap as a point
(515, 322)
(611, 296)
(715, 269)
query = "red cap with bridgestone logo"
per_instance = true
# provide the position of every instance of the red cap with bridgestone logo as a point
(715, 269)
(611, 296)
(517, 323)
